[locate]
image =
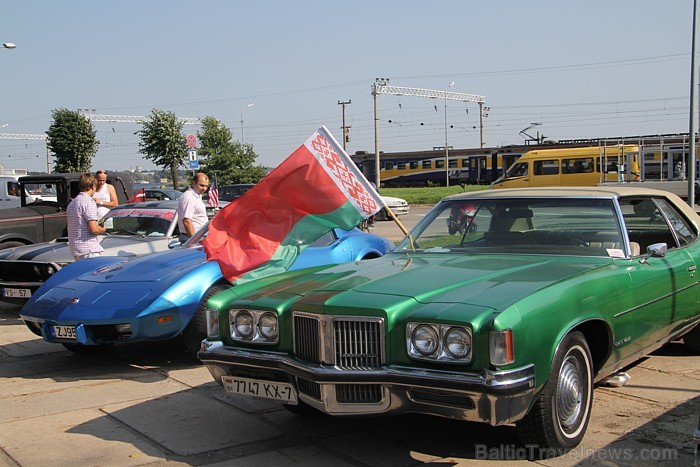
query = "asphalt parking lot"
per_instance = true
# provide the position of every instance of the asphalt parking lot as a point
(151, 404)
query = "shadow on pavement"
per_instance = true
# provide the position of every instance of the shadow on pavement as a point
(145, 362)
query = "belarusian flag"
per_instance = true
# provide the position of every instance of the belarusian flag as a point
(315, 189)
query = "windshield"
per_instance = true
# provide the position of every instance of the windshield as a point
(519, 169)
(569, 226)
(145, 222)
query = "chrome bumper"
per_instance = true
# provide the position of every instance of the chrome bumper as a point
(494, 397)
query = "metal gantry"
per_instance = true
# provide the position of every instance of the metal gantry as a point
(381, 86)
(132, 118)
(30, 137)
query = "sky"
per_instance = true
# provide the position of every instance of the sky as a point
(593, 69)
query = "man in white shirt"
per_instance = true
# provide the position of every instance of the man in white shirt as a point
(105, 195)
(191, 212)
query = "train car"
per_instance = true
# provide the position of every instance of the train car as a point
(658, 157)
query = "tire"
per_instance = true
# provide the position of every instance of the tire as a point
(196, 330)
(691, 341)
(88, 349)
(559, 418)
(381, 215)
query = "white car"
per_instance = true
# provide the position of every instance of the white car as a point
(132, 229)
(397, 205)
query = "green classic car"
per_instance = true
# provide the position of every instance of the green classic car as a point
(510, 320)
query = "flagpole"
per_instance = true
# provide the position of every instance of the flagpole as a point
(693, 107)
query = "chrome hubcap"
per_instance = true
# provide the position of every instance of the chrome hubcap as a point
(569, 392)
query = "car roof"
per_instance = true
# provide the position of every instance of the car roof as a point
(563, 192)
(49, 177)
(585, 192)
(166, 204)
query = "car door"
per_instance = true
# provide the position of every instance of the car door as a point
(664, 290)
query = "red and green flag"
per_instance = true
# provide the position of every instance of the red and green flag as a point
(315, 189)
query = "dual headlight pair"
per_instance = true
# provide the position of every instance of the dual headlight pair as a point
(254, 326)
(441, 342)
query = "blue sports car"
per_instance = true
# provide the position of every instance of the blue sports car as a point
(91, 304)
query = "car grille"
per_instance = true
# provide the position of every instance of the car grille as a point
(357, 344)
(26, 271)
(309, 388)
(307, 342)
(349, 343)
(358, 393)
(108, 333)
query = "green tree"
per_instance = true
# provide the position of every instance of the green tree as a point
(162, 142)
(231, 161)
(73, 140)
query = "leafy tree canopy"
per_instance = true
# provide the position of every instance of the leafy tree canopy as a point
(231, 161)
(73, 140)
(162, 142)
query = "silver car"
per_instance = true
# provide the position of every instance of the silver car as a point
(132, 229)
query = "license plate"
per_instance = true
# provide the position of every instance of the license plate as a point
(64, 332)
(16, 293)
(257, 388)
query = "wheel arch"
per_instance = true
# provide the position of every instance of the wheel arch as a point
(598, 335)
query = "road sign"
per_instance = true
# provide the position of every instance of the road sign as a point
(192, 156)
(191, 141)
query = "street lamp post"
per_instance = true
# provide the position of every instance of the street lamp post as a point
(249, 105)
(447, 151)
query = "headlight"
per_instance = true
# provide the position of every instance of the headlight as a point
(425, 340)
(458, 343)
(254, 326)
(439, 342)
(242, 324)
(268, 326)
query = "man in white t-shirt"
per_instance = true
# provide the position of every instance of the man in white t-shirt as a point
(191, 212)
(105, 195)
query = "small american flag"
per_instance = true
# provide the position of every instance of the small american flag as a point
(213, 200)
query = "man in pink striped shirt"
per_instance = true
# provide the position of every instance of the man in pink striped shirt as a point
(83, 229)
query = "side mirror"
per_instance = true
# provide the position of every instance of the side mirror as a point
(657, 250)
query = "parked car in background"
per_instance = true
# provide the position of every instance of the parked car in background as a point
(132, 229)
(161, 194)
(231, 192)
(398, 206)
(94, 303)
(510, 323)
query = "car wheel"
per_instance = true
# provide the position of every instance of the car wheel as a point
(381, 215)
(559, 418)
(196, 330)
(88, 349)
(691, 341)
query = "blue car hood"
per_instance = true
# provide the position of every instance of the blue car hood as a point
(148, 268)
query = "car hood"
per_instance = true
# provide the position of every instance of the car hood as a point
(58, 251)
(487, 281)
(149, 268)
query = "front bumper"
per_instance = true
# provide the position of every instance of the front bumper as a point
(110, 331)
(494, 397)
